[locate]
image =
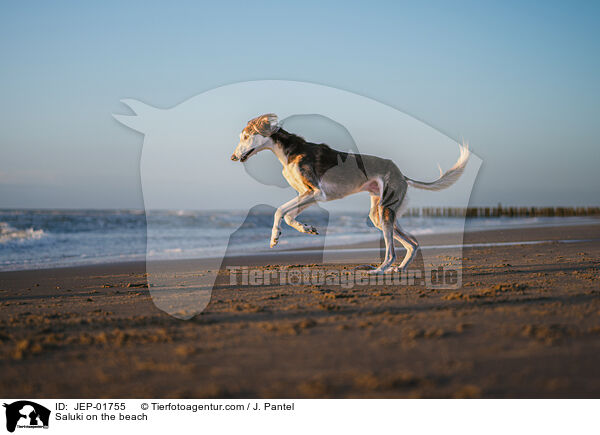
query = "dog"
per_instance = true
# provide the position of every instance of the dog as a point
(319, 173)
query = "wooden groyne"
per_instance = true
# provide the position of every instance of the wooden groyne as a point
(501, 211)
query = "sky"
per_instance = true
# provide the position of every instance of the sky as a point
(518, 80)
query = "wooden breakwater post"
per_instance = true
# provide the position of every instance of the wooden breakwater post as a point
(502, 211)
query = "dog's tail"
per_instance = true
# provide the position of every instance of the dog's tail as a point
(447, 178)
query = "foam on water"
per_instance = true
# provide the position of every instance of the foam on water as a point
(33, 239)
(10, 234)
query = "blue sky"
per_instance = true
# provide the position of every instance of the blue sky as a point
(519, 80)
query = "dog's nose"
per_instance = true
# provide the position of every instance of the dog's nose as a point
(234, 157)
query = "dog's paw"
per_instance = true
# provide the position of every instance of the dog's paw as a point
(309, 229)
(275, 239)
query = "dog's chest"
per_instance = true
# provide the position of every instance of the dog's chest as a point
(292, 174)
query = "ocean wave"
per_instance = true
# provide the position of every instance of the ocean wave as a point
(11, 234)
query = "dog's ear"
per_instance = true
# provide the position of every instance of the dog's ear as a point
(265, 125)
(272, 121)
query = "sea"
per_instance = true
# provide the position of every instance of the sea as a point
(39, 239)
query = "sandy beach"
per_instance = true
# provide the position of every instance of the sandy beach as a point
(524, 324)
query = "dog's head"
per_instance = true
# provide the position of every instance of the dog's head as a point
(256, 136)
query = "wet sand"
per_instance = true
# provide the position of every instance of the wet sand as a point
(526, 323)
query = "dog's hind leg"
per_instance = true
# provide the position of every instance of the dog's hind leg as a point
(409, 242)
(290, 219)
(388, 217)
(374, 215)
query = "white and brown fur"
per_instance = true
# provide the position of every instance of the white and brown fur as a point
(319, 173)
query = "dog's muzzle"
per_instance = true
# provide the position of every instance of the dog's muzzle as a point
(246, 155)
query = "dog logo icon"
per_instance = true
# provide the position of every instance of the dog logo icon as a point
(26, 414)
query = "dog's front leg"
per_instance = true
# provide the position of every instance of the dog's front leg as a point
(290, 219)
(301, 201)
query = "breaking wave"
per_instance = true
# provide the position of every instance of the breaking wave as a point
(11, 234)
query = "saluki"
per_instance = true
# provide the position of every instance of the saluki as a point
(320, 173)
